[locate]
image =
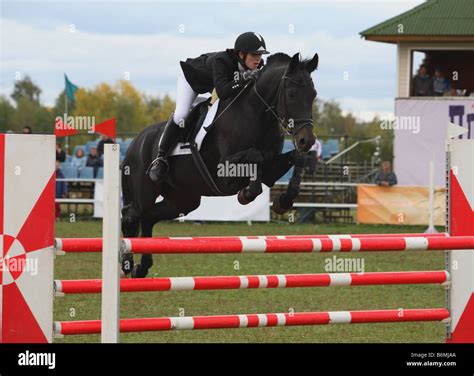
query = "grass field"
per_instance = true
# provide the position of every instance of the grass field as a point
(188, 303)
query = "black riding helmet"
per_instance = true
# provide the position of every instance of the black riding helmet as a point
(249, 42)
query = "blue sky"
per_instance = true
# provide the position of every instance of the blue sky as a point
(148, 38)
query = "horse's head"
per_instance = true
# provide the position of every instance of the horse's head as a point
(295, 101)
(291, 79)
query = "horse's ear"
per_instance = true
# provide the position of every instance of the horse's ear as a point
(295, 60)
(312, 64)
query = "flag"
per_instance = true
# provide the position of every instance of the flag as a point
(70, 89)
(62, 130)
(107, 128)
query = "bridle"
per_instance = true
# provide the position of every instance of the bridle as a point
(287, 125)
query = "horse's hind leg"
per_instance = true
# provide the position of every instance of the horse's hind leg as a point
(130, 222)
(130, 229)
(144, 197)
(164, 210)
(146, 261)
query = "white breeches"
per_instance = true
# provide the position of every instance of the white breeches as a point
(185, 97)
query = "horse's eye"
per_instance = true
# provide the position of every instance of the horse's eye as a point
(292, 94)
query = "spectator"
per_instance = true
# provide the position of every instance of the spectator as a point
(386, 177)
(79, 161)
(103, 140)
(94, 160)
(60, 153)
(27, 130)
(422, 85)
(441, 85)
(61, 189)
(318, 149)
(314, 156)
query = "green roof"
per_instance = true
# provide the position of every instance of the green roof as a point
(432, 18)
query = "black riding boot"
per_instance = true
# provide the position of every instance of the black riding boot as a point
(159, 167)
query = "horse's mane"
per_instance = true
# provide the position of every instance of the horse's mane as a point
(280, 58)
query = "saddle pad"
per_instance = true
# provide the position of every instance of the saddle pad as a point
(182, 148)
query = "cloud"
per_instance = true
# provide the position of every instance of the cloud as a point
(109, 41)
(366, 109)
(211, 18)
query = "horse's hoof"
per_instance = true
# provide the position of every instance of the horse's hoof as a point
(138, 272)
(242, 199)
(278, 208)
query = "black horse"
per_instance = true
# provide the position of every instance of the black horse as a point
(249, 132)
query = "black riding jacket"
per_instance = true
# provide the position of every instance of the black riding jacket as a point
(214, 70)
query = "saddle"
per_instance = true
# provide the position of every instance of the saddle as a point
(193, 122)
(187, 139)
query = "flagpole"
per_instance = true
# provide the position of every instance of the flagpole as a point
(65, 120)
(69, 91)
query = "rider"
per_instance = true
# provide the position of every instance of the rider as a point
(226, 71)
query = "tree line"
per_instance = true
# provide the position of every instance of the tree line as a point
(134, 110)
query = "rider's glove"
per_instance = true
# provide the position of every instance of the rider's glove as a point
(251, 75)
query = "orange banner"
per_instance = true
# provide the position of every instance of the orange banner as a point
(403, 205)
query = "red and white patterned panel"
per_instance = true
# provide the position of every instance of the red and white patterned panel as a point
(462, 224)
(27, 185)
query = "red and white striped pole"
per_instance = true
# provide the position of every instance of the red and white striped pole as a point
(257, 320)
(94, 286)
(80, 245)
(262, 245)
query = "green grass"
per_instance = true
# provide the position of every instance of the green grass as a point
(188, 303)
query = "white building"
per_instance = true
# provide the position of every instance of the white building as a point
(438, 34)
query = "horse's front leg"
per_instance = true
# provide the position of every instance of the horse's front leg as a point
(274, 167)
(247, 164)
(285, 201)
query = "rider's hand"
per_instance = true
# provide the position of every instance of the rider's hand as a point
(251, 75)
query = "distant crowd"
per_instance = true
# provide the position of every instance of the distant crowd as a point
(77, 164)
(438, 85)
(94, 159)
